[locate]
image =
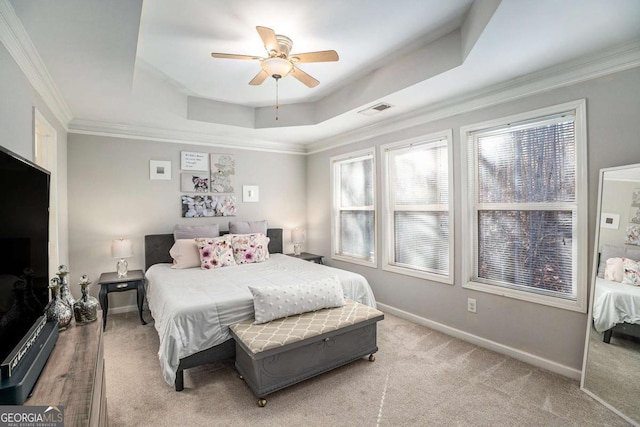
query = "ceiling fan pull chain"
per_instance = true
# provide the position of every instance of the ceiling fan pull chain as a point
(277, 103)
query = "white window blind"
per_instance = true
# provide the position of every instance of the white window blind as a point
(525, 206)
(418, 210)
(354, 208)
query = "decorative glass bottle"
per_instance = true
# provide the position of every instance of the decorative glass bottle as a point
(85, 309)
(58, 309)
(65, 293)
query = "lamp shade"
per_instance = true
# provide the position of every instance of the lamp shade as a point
(297, 235)
(277, 67)
(122, 248)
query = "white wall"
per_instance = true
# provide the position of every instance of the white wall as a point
(111, 196)
(613, 108)
(17, 99)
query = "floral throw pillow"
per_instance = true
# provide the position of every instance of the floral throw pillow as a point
(248, 248)
(215, 252)
(631, 274)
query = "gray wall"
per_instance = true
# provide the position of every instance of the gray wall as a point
(616, 199)
(17, 100)
(111, 196)
(613, 109)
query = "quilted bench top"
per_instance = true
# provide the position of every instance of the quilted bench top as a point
(288, 330)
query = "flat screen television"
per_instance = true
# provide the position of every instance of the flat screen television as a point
(26, 338)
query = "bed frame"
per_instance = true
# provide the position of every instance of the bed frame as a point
(157, 252)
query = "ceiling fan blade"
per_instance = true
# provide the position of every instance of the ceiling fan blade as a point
(322, 56)
(304, 77)
(232, 56)
(268, 37)
(259, 78)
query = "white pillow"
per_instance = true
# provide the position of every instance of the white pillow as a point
(185, 254)
(274, 302)
(614, 269)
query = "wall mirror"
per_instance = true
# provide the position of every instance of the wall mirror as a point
(611, 369)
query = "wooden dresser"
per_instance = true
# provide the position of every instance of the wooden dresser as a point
(74, 376)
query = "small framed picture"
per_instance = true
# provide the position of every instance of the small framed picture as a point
(159, 169)
(194, 182)
(609, 220)
(192, 161)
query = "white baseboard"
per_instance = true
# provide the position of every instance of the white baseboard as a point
(523, 356)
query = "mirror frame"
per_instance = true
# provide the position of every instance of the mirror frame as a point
(594, 273)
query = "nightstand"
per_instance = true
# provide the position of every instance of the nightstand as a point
(309, 257)
(110, 282)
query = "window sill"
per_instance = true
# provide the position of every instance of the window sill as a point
(419, 274)
(564, 304)
(352, 260)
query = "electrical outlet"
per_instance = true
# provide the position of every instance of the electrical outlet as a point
(471, 305)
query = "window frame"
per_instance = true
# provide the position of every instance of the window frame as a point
(388, 254)
(335, 208)
(469, 170)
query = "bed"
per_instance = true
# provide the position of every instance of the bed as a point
(616, 306)
(193, 308)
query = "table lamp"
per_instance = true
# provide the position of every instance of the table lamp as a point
(122, 248)
(297, 237)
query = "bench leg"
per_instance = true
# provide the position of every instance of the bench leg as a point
(262, 402)
(372, 357)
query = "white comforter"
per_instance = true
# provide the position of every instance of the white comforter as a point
(615, 303)
(193, 308)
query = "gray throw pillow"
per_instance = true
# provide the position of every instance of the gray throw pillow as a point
(247, 227)
(194, 231)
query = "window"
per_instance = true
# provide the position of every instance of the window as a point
(418, 207)
(354, 214)
(527, 207)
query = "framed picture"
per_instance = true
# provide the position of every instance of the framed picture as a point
(635, 198)
(634, 215)
(159, 169)
(633, 235)
(609, 220)
(194, 182)
(223, 171)
(192, 161)
(197, 206)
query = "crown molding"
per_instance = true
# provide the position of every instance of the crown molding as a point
(179, 136)
(606, 62)
(19, 45)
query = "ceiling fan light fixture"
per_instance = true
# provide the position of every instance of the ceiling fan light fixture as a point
(277, 67)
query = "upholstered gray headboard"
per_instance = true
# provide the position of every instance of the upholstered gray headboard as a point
(156, 246)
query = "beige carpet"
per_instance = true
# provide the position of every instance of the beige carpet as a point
(421, 377)
(613, 372)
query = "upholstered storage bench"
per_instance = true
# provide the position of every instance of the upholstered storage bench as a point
(282, 352)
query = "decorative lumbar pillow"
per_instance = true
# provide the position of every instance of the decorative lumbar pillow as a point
(275, 302)
(194, 231)
(631, 275)
(247, 227)
(248, 248)
(614, 269)
(215, 253)
(185, 254)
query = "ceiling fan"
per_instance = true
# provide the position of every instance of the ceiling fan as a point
(280, 61)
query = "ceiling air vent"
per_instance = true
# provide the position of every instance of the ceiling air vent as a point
(375, 109)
